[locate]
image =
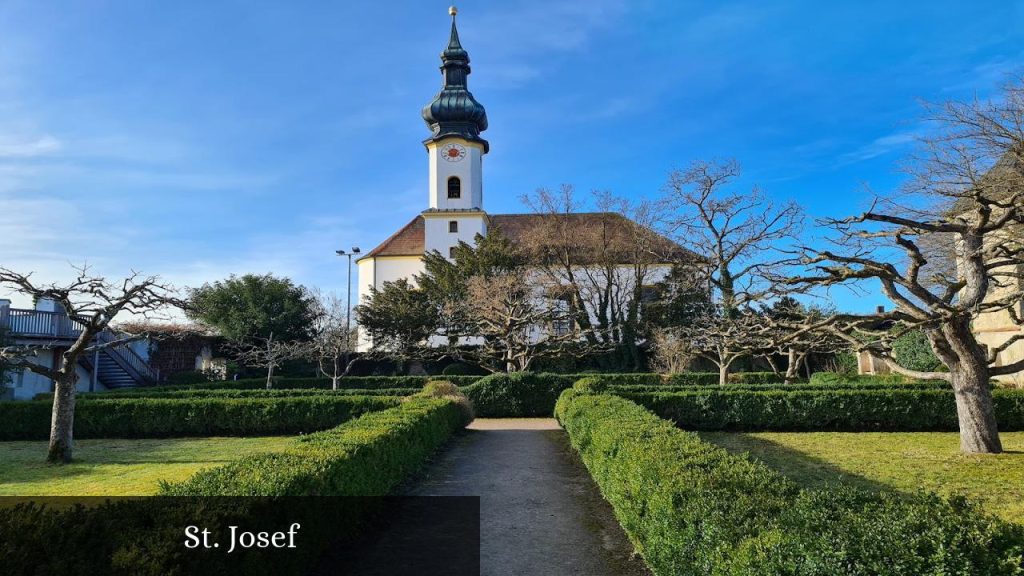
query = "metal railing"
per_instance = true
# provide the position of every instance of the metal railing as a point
(126, 355)
(57, 325)
(38, 323)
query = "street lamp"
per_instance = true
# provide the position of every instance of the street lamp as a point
(348, 303)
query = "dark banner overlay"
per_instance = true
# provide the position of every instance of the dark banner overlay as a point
(317, 535)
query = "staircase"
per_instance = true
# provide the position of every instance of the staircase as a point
(119, 365)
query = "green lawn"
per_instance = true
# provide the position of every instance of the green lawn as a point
(904, 461)
(116, 467)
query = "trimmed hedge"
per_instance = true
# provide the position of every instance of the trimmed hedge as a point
(368, 456)
(517, 395)
(163, 417)
(916, 385)
(834, 378)
(852, 410)
(347, 383)
(231, 393)
(693, 508)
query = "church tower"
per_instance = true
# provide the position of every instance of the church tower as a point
(456, 151)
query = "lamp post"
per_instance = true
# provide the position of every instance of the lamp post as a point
(348, 303)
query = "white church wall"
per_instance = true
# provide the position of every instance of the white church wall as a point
(374, 272)
(438, 237)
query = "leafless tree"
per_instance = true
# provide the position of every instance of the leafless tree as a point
(782, 328)
(602, 260)
(723, 336)
(741, 241)
(333, 340)
(91, 302)
(269, 353)
(672, 353)
(516, 323)
(965, 195)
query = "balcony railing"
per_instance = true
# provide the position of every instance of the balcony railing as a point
(40, 324)
(59, 326)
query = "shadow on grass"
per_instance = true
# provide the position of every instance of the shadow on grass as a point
(807, 471)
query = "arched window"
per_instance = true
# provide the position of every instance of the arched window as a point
(454, 187)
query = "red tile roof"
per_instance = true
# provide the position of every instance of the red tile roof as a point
(409, 240)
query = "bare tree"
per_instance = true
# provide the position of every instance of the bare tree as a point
(333, 340)
(270, 354)
(723, 336)
(602, 260)
(92, 302)
(966, 195)
(740, 240)
(784, 335)
(671, 352)
(516, 323)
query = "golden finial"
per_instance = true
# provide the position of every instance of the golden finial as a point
(452, 11)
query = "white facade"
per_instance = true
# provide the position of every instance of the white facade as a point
(454, 157)
(26, 384)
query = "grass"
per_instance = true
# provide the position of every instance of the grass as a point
(901, 461)
(116, 467)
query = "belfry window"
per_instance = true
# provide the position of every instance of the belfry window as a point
(453, 226)
(454, 187)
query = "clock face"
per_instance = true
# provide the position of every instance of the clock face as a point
(453, 152)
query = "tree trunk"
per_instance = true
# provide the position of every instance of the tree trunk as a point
(270, 376)
(979, 433)
(723, 373)
(792, 366)
(62, 421)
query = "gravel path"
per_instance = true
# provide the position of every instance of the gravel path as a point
(541, 513)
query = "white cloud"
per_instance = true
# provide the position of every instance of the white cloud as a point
(28, 148)
(879, 146)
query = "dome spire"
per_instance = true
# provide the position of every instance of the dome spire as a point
(454, 111)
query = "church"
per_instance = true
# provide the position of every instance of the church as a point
(455, 202)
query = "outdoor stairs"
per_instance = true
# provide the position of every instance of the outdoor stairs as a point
(118, 365)
(112, 375)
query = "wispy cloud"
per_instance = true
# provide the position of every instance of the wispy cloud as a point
(879, 147)
(29, 148)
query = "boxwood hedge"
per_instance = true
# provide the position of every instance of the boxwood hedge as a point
(166, 417)
(849, 410)
(234, 393)
(693, 508)
(367, 456)
(517, 395)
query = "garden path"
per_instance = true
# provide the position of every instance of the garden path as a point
(540, 512)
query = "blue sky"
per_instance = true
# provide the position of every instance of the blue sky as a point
(198, 139)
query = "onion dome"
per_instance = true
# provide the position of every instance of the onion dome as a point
(454, 111)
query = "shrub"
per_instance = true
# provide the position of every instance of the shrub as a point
(368, 456)
(517, 395)
(189, 377)
(913, 351)
(592, 385)
(449, 391)
(692, 508)
(918, 385)
(347, 383)
(834, 377)
(461, 369)
(163, 417)
(235, 393)
(853, 410)
(755, 378)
